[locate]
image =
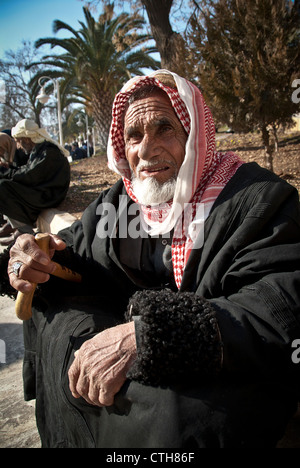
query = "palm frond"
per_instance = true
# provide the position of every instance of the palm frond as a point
(97, 59)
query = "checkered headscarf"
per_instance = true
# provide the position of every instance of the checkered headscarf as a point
(203, 173)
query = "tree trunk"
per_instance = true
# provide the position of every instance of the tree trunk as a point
(169, 43)
(101, 110)
(37, 116)
(268, 148)
(275, 138)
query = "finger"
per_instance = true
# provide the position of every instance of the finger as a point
(93, 395)
(82, 389)
(101, 393)
(73, 375)
(37, 265)
(105, 398)
(27, 273)
(55, 244)
(26, 276)
(26, 250)
(28, 265)
(94, 401)
(20, 285)
(79, 384)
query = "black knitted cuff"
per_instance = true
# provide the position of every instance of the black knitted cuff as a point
(180, 336)
(5, 288)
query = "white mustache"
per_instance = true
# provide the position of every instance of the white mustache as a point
(150, 164)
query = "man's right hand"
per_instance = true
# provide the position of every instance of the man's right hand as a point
(36, 264)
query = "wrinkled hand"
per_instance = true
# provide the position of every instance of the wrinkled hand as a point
(4, 164)
(101, 364)
(37, 265)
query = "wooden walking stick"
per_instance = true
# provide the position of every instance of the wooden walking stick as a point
(24, 300)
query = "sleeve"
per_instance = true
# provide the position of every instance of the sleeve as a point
(258, 313)
(87, 255)
(177, 334)
(5, 288)
(44, 165)
(78, 255)
(246, 322)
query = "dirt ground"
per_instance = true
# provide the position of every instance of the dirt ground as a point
(250, 148)
(91, 176)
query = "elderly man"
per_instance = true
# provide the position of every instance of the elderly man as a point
(181, 334)
(41, 183)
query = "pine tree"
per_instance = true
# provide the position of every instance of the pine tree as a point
(248, 54)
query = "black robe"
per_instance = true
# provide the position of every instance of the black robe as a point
(221, 373)
(41, 183)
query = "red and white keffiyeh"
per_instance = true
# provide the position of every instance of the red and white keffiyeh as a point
(202, 176)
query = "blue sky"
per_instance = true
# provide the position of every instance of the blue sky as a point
(32, 19)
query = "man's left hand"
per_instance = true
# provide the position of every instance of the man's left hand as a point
(101, 364)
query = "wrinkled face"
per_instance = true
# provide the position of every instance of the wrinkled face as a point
(154, 139)
(26, 144)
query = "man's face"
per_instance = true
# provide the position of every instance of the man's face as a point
(26, 144)
(154, 139)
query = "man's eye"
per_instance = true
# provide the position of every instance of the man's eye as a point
(165, 128)
(134, 136)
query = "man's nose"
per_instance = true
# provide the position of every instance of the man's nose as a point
(148, 148)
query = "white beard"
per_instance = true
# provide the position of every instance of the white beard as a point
(150, 192)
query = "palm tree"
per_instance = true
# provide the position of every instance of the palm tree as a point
(97, 60)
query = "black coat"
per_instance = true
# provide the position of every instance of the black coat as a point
(41, 183)
(214, 365)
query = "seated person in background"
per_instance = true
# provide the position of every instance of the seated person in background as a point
(68, 148)
(77, 153)
(7, 150)
(10, 157)
(7, 154)
(41, 183)
(181, 332)
(20, 157)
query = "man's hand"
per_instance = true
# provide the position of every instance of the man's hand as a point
(36, 265)
(101, 364)
(4, 164)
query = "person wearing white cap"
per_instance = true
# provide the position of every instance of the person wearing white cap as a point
(41, 183)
